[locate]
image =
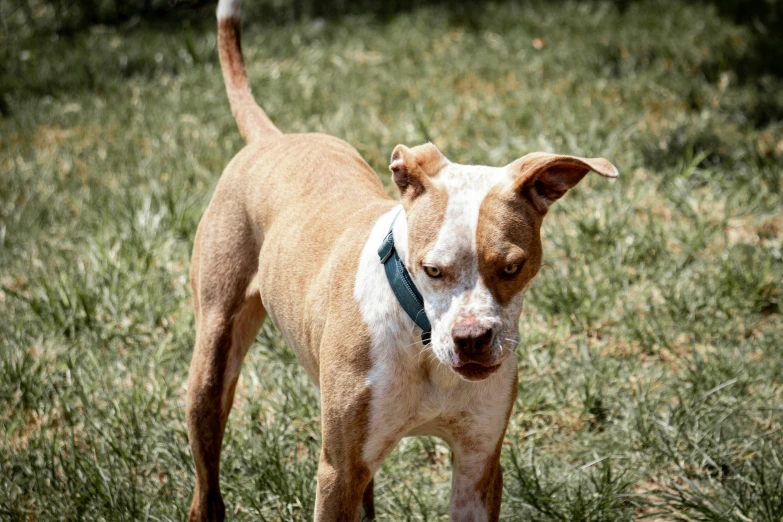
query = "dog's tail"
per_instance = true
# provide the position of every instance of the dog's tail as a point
(252, 120)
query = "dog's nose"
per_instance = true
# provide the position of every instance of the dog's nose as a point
(472, 340)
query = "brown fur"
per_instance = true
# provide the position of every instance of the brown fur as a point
(255, 245)
(544, 178)
(423, 197)
(413, 168)
(511, 216)
(283, 235)
(239, 272)
(252, 121)
(506, 221)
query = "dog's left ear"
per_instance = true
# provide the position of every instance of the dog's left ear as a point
(412, 168)
(544, 178)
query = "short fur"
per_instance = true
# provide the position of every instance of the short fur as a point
(292, 232)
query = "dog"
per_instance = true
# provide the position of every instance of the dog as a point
(403, 313)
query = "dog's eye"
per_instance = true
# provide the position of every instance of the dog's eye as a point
(511, 269)
(432, 271)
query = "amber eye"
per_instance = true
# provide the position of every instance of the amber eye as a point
(432, 271)
(511, 269)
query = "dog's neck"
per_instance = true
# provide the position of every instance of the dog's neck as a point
(393, 334)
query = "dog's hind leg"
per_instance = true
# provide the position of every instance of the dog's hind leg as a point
(229, 314)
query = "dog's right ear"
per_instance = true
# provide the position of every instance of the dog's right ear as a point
(412, 168)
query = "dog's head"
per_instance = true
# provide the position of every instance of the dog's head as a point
(474, 245)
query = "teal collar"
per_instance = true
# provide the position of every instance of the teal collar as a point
(402, 285)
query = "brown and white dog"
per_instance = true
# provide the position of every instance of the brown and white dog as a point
(293, 231)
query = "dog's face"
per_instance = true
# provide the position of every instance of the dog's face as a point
(474, 245)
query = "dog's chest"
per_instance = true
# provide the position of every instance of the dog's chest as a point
(412, 399)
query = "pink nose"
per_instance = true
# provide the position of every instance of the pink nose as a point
(472, 341)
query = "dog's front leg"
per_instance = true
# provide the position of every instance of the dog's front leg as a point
(343, 474)
(476, 440)
(341, 487)
(476, 485)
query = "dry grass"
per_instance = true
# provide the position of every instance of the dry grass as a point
(651, 377)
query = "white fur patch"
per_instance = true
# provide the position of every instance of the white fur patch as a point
(229, 9)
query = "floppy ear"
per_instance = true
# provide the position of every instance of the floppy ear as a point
(411, 168)
(544, 178)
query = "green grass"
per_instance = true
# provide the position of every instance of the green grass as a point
(651, 371)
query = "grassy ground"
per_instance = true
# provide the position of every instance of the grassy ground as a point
(651, 372)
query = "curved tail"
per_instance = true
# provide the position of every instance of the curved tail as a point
(252, 120)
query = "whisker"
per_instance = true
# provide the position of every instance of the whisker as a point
(424, 349)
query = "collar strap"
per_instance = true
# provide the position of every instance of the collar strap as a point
(402, 285)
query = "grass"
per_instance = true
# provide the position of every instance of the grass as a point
(651, 371)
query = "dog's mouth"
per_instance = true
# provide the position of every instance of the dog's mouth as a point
(474, 371)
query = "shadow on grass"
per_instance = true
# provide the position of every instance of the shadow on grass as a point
(68, 22)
